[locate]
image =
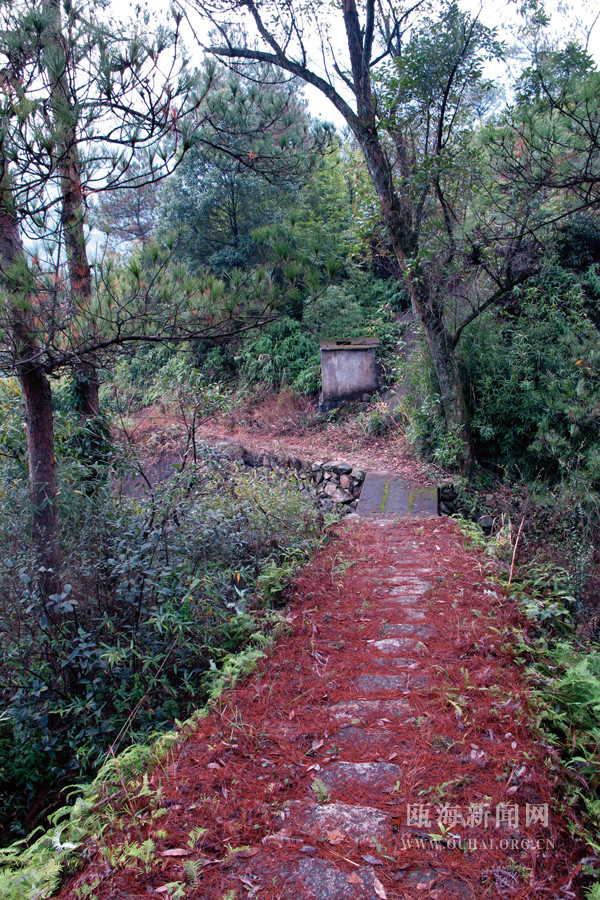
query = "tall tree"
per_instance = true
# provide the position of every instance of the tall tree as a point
(59, 59)
(410, 86)
(100, 87)
(254, 150)
(406, 158)
(17, 286)
(128, 217)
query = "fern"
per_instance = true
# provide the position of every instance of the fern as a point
(193, 867)
(321, 791)
(195, 835)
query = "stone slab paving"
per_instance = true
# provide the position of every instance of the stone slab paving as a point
(356, 778)
(320, 880)
(388, 684)
(367, 743)
(394, 663)
(388, 495)
(371, 709)
(374, 684)
(408, 628)
(359, 728)
(360, 823)
(397, 645)
(408, 613)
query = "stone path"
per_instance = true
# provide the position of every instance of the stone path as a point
(351, 797)
(389, 496)
(378, 752)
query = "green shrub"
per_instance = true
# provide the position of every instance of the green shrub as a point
(380, 419)
(279, 355)
(534, 385)
(426, 426)
(154, 594)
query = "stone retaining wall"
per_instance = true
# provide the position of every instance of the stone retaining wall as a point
(333, 484)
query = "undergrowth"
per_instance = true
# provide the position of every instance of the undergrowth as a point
(564, 675)
(35, 868)
(156, 593)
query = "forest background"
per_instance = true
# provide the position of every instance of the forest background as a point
(177, 229)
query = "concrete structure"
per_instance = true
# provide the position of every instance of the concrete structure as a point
(348, 370)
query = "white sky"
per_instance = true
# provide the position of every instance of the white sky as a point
(503, 15)
(568, 19)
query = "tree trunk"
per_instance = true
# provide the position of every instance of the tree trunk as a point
(42, 470)
(431, 314)
(80, 273)
(35, 385)
(427, 306)
(64, 110)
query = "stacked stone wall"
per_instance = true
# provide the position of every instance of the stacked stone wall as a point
(333, 484)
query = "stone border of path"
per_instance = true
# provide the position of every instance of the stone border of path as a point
(332, 484)
(337, 484)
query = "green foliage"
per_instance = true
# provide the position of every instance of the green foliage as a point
(426, 429)
(13, 451)
(575, 699)
(280, 355)
(132, 379)
(154, 593)
(34, 868)
(535, 384)
(564, 677)
(569, 713)
(380, 420)
(276, 577)
(321, 791)
(287, 352)
(577, 245)
(255, 149)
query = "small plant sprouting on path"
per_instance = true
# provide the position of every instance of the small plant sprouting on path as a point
(384, 498)
(321, 791)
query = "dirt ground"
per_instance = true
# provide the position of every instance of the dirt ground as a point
(284, 423)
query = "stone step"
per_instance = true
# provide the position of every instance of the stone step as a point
(407, 615)
(397, 645)
(352, 778)
(404, 599)
(356, 823)
(371, 684)
(394, 662)
(317, 879)
(409, 628)
(435, 883)
(416, 585)
(370, 709)
(373, 743)
(389, 684)
(410, 568)
(388, 496)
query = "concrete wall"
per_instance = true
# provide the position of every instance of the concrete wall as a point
(347, 374)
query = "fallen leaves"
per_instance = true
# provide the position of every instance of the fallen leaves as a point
(379, 888)
(336, 836)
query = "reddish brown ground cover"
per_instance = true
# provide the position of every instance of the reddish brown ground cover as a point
(283, 423)
(394, 686)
